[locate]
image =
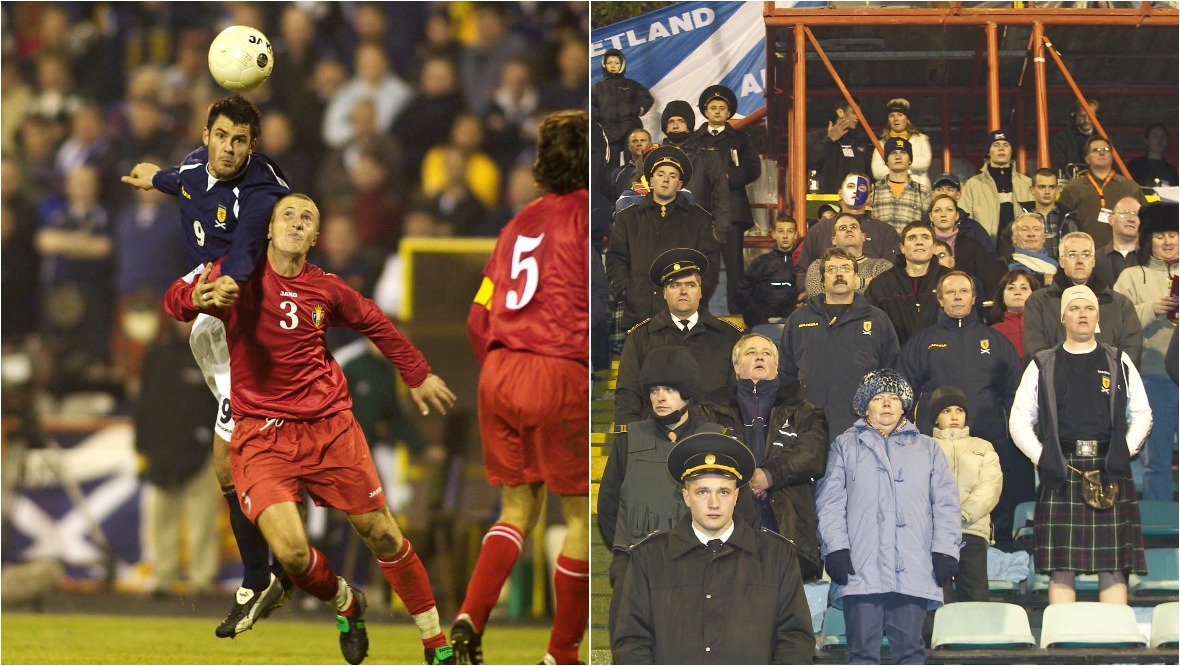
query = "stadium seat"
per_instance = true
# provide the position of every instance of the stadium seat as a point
(981, 625)
(1089, 624)
(834, 631)
(1165, 626)
(1162, 576)
(772, 331)
(1022, 518)
(1160, 519)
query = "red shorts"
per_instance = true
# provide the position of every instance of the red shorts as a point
(534, 414)
(274, 460)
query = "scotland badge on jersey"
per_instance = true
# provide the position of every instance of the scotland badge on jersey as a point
(221, 213)
(317, 316)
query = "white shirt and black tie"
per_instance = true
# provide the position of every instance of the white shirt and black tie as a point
(686, 324)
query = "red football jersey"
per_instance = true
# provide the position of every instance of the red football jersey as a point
(536, 288)
(280, 366)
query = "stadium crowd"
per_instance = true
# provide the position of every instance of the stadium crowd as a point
(916, 305)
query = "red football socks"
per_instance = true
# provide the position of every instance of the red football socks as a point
(498, 554)
(411, 583)
(571, 583)
(318, 580)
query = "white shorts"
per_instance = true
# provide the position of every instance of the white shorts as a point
(207, 341)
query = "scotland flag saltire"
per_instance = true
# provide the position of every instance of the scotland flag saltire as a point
(678, 51)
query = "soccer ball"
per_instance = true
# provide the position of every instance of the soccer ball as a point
(240, 58)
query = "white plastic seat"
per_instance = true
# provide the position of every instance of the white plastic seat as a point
(976, 625)
(1165, 625)
(1090, 624)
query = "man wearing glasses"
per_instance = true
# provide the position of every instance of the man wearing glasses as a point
(1123, 249)
(850, 237)
(1093, 194)
(833, 339)
(1042, 311)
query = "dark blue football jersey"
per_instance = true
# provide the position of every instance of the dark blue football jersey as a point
(224, 218)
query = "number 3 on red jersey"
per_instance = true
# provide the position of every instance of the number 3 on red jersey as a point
(523, 263)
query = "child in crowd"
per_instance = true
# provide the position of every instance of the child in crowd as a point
(976, 468)
(767, 289)
(617, 102)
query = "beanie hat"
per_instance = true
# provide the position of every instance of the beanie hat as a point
(677, 107)
(886, 380)
(897, 143)
(1075, 292)
(946, 396)
(899, 104)
(673, 367)
(994, 136)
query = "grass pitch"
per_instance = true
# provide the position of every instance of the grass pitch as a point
(46, 638)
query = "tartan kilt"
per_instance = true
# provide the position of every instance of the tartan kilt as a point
(1070, 535)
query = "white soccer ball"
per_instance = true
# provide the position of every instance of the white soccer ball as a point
(240, 58)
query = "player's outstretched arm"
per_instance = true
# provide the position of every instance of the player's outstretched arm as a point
(141, 175)
(432, 390)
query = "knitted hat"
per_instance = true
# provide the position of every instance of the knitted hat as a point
(886, 380)
(1155, 218)
(677, 107)
(897, 143)
(1075, 292)
(673, 367)
(994, 136)
(946, 396)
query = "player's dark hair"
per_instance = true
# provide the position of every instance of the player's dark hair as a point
(563, 155)
(239, 111)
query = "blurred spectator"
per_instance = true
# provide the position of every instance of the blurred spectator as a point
(87, 143)
(378, 214)
(841, 149)
(144, 134)
(456, 203)
(522, 188)
(374, 80)
(38, 148)
(187, 81)
(55, 97)
(481, 62)
(336, 171)
(277, 140)
(16, 99)
(439, 41)
(1152, 169)
(172, 438)
(19, 261)
(511, 120)
(420, 222)
(568, 91)
(482, 174)
(291, 83)
(75, 240)
(438, 91)
(340, 250)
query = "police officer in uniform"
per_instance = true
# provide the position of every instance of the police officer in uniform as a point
(712, 590)
(682, 323)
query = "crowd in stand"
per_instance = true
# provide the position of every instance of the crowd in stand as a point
(933, 300)
(402, 119)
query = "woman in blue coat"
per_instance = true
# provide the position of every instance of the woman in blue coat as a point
(888, 511)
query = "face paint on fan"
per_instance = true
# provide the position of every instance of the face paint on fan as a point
(855, 191)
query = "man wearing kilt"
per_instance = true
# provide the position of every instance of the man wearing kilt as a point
(1080, 407)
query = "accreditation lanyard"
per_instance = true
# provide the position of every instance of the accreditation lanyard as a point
(1100, 188)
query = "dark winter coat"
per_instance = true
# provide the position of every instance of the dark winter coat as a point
(827, 157)
(745, 603)
(1118, 324)
(769, 280)
(174, 415)
(711, 343)
(910, 309)
(796, 455)
(639, 235)
(617, 101)
(742, 171)
(709, 184)
(831, 358)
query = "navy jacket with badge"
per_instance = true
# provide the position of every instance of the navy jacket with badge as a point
(972, 356)
(224, 218)
(832, 357)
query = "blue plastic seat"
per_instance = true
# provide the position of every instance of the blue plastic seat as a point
(1160, 519)
(772, 331)
(1022, 518)
(1162, 575)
